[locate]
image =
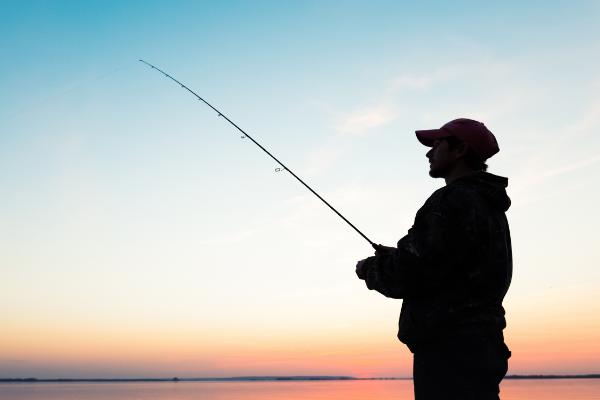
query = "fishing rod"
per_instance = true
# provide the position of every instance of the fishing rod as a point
(220, 114)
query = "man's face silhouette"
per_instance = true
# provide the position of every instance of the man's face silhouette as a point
(442, 159)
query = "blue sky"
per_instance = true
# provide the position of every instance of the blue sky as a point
(123, 194)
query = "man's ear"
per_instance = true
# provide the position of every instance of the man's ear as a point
(462, 149)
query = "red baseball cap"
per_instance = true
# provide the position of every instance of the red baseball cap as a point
(472, 132)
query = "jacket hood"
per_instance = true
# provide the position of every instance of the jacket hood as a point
(491, 187)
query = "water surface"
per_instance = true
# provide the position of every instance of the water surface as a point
(535, 389)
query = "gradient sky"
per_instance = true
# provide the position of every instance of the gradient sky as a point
(141, 236)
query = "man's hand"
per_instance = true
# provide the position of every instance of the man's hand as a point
(381, 249)
(362, 266)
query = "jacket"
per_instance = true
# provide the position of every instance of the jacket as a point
(454, 266)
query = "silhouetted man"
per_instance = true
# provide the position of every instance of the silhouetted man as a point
(453, 269)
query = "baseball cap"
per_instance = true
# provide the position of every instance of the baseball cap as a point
(472, 132)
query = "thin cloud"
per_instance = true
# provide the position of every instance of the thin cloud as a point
(362, 120)
(443, 74)
(425, 80)
(322, 158)
(412, 82)
(523, 192)
(583, 126)
(569, 168)
(590, 120)
(383, 110)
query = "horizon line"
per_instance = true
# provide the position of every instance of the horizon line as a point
(272, 378)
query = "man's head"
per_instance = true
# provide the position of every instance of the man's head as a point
(460, 146)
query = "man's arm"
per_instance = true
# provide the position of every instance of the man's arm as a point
(423, 259)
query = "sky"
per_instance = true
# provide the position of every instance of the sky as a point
(143, 236)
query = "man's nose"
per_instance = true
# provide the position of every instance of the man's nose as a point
(429, 153)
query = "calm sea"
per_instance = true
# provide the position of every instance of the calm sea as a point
(563, 389)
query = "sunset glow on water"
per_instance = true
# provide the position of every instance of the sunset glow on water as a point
(564, 389)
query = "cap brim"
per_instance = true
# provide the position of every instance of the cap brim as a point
(428, 136)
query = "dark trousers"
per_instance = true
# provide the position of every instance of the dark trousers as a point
(465, 368)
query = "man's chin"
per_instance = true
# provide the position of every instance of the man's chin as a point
(433, 173)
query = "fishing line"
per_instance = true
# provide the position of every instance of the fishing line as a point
(245, 135)
(41, 102)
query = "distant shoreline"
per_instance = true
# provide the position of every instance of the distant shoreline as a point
(261, 379)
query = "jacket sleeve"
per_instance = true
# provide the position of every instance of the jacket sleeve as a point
(423, 260)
